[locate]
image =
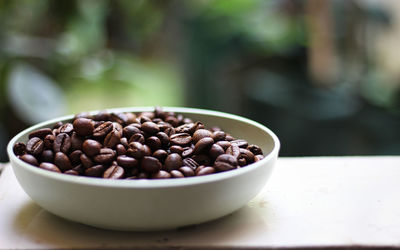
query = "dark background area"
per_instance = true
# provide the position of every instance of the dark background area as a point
(323, 75)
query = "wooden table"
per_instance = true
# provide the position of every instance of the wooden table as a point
(319, 202)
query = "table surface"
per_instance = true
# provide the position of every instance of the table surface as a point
(327, 202)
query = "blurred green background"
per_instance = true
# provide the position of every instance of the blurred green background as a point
(324, 75)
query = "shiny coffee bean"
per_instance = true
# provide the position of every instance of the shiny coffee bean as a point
(233, 150)
(76, 141)
(83, 126)
(203, 144)
(150, 127)
(135, 149)
(105, 156)
(161, 175)
(75, 156)
(189, 128)
(48, 141)
(50, 167)
(154, 142)
(160, 154)
(176, 174)
(66, 128)
(173, 162)
(187, 171)
(202, 159)
(29, 159)
(137, 138)
(229, 138)
(71, 172)
(190, 163)
(62, 143)
(256, 150)
(19, 148)
(225, 162)
(200, 134)
(47, 156)
(95, 171)
(187, 152)
(176, 149)
(164, 138)
(150, 164)
(258, 158)
(218, 136)
(215, 151)
(113, 138)
(147, 150)
(86, 161)
(126, 161)
(35, 146)
(40, 133)
(180, 139)
(91, 147)
(114, 172)
(62, 161)
(240, 143)
(247, 155)
(121, 150)
(130, 130)
(103, 129)
(205, 171)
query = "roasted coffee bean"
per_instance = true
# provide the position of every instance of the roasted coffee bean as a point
(187, 171)
(186, 128)
(256, 150)
(62, 143)
(218, 135)
(247, 155)
(233, 150)
(121, 150)
(150, 164)
(181, 139)
(102, 116)
(161, 175)
(62, 161)
(83, 126)
(176, 174)
(57, 125)
(176, 149)
(120, 118)
(215, 128)
(130, 130)
(66, 128)
(173, 161)
(142, 175)
(164, 138)
(202, 159)
(86, 115)
(150, 127)
(113, 138)
(35, 146)
(124, 142)
(135, 149)
(242, 162)
(40, 133)
(126, 161)
(153, 142)
(50, 167)
(190, 163)
(215, 151)
(49, 141)
(224, 144)
(75, 156)
(95, 171)
(169, 131)
(203, 144)
(163, 125)
(159, 113)
(19, 148)
(91, 147)
(137, 138)
(229, 138)
(29, 159)
(76, 141)
(225, 162)
(47, 156)
(172, 120)
(147, 150)
(114, 172)
(103, 129)
(205, 171)
(258, 157)
(160, 154)
(130, 117)
(200, 134)
(86, 161)
(71, 172)
(79, 168)
(105, 156)
(187, 152)
(240, 143)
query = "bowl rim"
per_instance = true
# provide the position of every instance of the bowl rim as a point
(144, 183)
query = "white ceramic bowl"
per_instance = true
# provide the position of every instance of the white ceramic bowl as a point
(152, 204)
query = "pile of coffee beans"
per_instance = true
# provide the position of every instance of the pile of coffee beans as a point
(148, 145)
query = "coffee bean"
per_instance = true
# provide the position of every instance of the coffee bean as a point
(113, 138)
(105, 156)
(71, 172)
(29, 159)
(147, 150)
(256, 150)
(83, 126)
(150, 164)
(247, 155)
(203, 144)
(224, 144)
(159, 113)
(62, 143)
(35, 146)
(163, 126)
(215, 128)
(176, 174)
(103, 129)
(176, 149)
(47, 156)
(153, 142)
(150, 127)
(164, 138)
(137, 138)
(215, 151)
(233, 150)
(173, 161)
(86, 115)
(86, 161)
(200, 134)
(126, 161)
(258, 158)
(240, 143)
(95, 171)
(161, 175)
(19, 148)
(242, 162)
(120, 118)
(66, 128)
(135, 149)
(180, 139)
(49, 141)
(169, 131)
(186, 171)
(80, 169)
(57, 125)
(187, 152)
(172, 120)
(114, 172)
(190, 163)
(62, 161)
(91, 147)
(202, 159)
(218, 135)
(160, 154)
(76, 142)
(130, 130)
(121, 150)
(205, 171)
(75, 156)
(186, 128)
(50, 167)
(225, 162)
(40, 133)
(229, 138)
